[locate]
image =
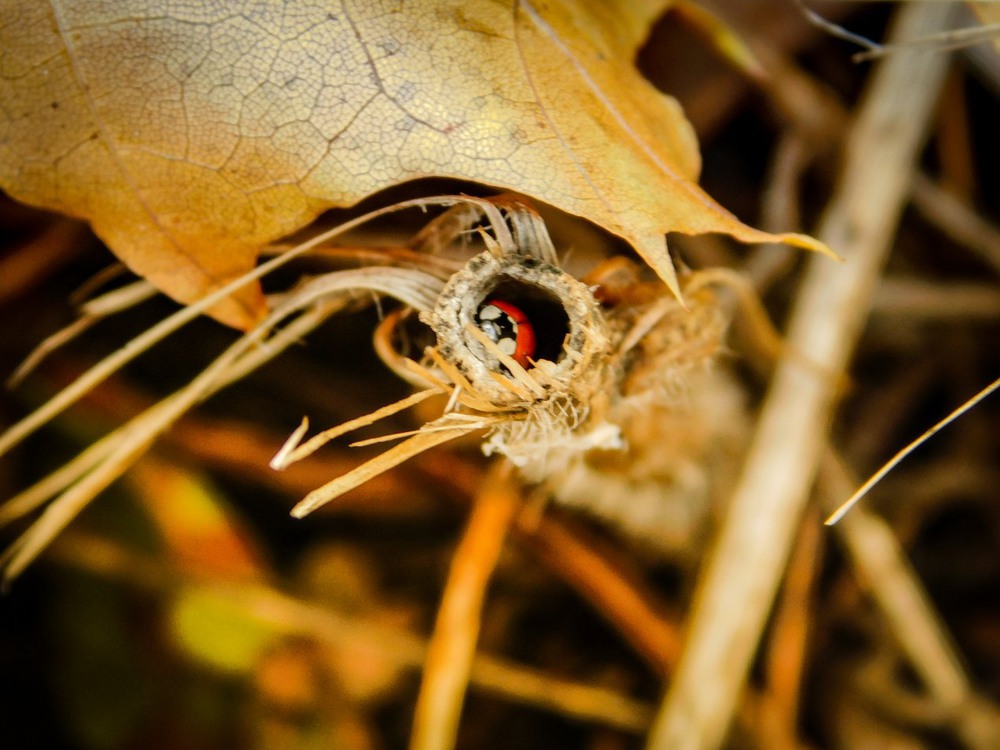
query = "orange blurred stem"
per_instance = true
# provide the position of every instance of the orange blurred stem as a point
(453, 643)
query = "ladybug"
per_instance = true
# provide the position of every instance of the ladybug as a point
(508, 327)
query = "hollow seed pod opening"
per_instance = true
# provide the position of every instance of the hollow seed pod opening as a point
(569, 341)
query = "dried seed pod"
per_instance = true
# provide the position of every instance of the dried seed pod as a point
(601, 390)
(570, 332)
(548, 408)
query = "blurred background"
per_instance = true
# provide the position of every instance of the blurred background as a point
(186, 609)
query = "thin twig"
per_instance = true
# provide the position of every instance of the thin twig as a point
(422, 441)
(919, 300)
(292, 451)
(961, 223)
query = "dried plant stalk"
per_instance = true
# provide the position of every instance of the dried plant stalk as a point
(737, 587)
(91, 311)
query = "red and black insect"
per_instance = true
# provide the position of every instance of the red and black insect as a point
(508, 327)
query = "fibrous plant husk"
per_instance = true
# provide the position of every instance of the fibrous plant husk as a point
(628, 415)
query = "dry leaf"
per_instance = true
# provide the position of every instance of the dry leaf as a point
(191, 134)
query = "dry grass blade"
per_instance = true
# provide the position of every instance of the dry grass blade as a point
(96, 468)
(291, 451)
(450, 421)
(946, 40)
(242, 360)
(71, 394)
(75, 498)
(938, 41)
(453, 644)
(100, 307)
(737, 587)
(107, 460)
(118, 300)
(467, 394)
(422, 441)
(891, 464)
(907, 609)
(41, 492)
(835, 29)
(520, 376)
(410, 286)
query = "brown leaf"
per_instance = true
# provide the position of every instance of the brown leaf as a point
(190, 135)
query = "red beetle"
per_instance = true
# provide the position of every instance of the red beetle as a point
(508, 327)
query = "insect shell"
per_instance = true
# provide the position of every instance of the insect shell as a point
(508, 327)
